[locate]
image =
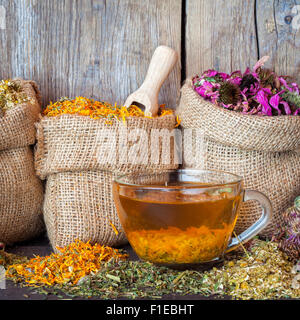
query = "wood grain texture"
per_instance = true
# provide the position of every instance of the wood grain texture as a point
(102, 49)
(94, 48)
(278, 26)
(220, 34)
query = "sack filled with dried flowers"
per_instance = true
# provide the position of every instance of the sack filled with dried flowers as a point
(82, 145)
(21, 193)
(249, 124)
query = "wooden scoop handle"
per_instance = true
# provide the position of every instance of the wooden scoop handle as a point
(162, 62)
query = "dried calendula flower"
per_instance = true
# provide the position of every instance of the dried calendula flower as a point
(97, 109)
(11, 94)
(72, 263)
(116, 231)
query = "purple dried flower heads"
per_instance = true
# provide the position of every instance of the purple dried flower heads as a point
(255, 92)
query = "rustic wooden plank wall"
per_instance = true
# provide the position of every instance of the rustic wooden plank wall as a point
(101, 49)
(93, 48)
(278, 28)
(220, 34)
(230, 35)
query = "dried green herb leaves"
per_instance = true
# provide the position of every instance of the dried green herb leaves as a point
(132, 279)
(7, 259)
(264, 273)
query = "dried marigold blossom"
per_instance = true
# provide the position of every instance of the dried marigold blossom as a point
(97, 109)
(72, 263)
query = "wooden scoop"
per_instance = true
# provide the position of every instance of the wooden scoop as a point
(146, 97)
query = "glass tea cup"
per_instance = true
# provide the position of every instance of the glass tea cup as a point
(185, 217)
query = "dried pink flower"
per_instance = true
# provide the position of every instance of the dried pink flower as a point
(262, 91)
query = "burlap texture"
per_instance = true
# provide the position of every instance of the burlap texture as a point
(21, 196)
(78, 200)
(248, 146)
(275, 174)
(79, 205)
(73, 143)
(248, 132)
(17, 124)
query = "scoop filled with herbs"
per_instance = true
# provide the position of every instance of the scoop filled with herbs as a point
(259, 91)
(97, 109)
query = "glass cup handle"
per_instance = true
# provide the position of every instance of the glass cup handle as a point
(259, 225)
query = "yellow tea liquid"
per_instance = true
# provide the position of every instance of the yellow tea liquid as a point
(179, 226)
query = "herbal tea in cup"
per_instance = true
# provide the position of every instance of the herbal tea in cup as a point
(184, 216)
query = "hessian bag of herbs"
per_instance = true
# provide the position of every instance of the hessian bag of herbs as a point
(265, 151)
(21, 192)
(78, 200)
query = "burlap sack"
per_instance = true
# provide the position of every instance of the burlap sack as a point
(78, 200)
(17, 125)
(21, 196)
(21, 192)
(263, 150)
(73, 143)
(79, 205)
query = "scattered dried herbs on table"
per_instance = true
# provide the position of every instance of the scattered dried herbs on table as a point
(69, 265)
(136, 279)
(11, 94)
(263, 273)
(7, 259)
